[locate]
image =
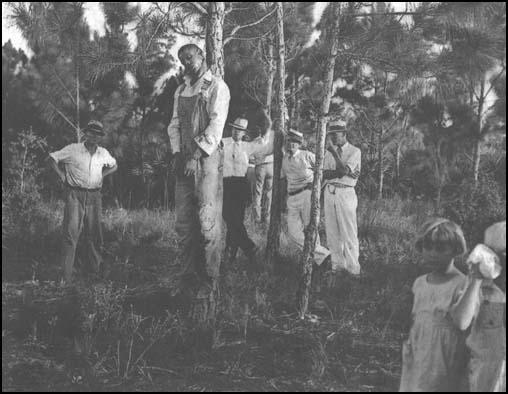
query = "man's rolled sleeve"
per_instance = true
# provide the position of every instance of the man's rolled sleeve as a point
(262, 146)
(174, 126)
(217, 107)
(63, 154)
(354, 162)
(109, 161)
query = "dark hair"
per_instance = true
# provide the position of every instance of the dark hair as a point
(190, 46)
(440, 234)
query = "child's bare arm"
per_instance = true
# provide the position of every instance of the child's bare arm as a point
(464, 311)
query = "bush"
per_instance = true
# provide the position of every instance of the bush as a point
(475, 208)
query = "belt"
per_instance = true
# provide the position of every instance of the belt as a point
(339, 185)
(307, 187)
(82, 189)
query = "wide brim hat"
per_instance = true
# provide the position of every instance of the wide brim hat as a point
(294, 135)
(240, 124)
(95, 127)
(336, 126)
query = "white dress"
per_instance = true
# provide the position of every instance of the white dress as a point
(434, 357)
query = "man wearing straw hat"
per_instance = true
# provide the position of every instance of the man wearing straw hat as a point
(199, 114)
(236, 185)
(298, 170)
(341, 169)
(85, 166)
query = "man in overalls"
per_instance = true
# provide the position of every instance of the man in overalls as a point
(195, 132)
(341, 169)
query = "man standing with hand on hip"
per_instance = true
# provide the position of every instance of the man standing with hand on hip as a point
(200, 110)
(83, 173)
(341, 169)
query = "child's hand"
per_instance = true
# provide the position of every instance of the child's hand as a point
(474, 271)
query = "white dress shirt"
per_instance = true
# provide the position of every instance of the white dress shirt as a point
(217, 104)
(351, 157)
(298, 169)
(237, 153)
(83, 169)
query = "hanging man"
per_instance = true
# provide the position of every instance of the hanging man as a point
(195, 132)
(236, 185)
(298, 170)
(85, 166)
(341, 169)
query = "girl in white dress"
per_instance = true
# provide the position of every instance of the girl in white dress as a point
(434, 356)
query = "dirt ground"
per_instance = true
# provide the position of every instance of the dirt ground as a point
(350, 342)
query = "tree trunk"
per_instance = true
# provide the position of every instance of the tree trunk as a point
(271, 75)
(479, 125)
(204, 304)
(214, 31)
(312, 228)
(292, 101)
(297, 101)
(76, 63)
(397, 163)
(273, 241)
(380, 163)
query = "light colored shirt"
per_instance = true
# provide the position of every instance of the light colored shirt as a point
(237, 153)
(351, 157)
(217, 105)
(298, 169)
(83, 169)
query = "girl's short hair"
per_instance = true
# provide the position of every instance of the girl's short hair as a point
(441, 234)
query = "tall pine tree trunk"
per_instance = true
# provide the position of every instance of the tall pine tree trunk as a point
(271, 70)
(273, 241)
(312, 229)
(296, 122)
(214, 31)
(381, 173)
(76, 65)
(479, 125)
(206, 299)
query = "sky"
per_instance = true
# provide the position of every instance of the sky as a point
(95, 18)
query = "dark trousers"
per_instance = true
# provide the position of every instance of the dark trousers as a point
(82, 212)
(236, 198)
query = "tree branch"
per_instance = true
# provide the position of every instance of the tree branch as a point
(63, 85)
(493, 81)
(199, 7)
(235, 29)
(63, 116)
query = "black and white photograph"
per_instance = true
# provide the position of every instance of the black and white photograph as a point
(254, 196)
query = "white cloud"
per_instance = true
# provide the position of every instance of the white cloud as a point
(319, 8)
(95, 18)
(159, 84)
(11, 32)
(131, 80)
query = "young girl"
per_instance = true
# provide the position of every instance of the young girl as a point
(483, 308)
(434, 355)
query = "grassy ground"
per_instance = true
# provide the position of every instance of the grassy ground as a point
(350, 343)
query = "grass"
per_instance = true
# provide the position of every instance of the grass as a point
(351, 345)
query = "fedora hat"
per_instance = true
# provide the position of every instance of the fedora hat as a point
(336, 126)
(95, 127)
(295, 135)
(240, 124)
